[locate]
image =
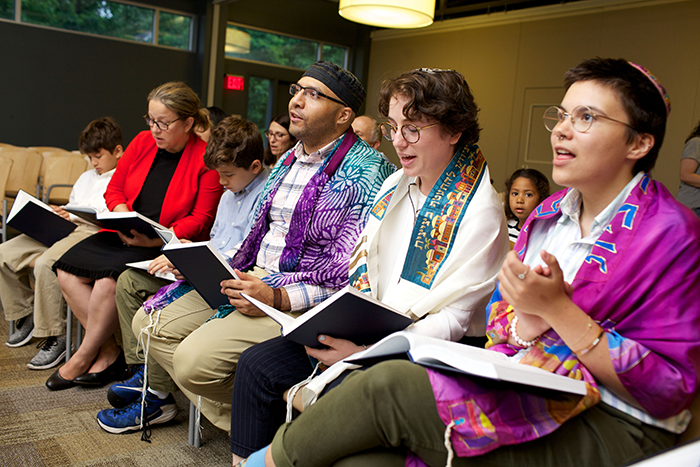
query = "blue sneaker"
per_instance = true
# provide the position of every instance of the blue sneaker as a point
(122, 394)
(129, 418)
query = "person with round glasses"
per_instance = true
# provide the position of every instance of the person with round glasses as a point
(162, 176)
(431, 248)
(601, 287)
(279, 140)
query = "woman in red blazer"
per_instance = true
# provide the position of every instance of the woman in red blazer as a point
(162, 176)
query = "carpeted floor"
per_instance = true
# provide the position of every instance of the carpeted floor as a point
(43, 428)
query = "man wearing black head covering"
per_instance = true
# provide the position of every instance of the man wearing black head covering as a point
(308, 219)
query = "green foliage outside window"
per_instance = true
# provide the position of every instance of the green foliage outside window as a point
(93, 16)
(335, 54)
(7, 9)
(174, 30)
(258, 96)
(268, 47)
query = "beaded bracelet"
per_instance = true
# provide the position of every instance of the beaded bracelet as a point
(595, 342)
(276, 298)
(516, 337)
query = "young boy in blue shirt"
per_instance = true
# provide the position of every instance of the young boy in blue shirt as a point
(235, 150)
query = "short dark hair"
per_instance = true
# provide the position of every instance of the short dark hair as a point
(234, 141)
(536, 177)
(642, 101)
(216, 115)
(443, 95)
(103, 133)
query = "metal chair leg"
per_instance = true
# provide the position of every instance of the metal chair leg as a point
(69, 333)
(193, 437)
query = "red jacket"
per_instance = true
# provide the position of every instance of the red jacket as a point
(190, 202)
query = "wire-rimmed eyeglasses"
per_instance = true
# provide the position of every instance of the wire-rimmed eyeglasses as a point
(582, 118)
(312, 93)
(275, 135)
(409, 131)
(162, 125)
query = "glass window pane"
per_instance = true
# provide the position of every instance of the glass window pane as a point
(7, 9)
(268, 47)
(93, 16)
(335, 54)
(174, 30)
(258, 97)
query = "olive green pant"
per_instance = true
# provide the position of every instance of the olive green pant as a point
(133, 288)
(374, 417)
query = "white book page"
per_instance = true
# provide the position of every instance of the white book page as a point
(283, 319)
(21, 200)
(143, 265)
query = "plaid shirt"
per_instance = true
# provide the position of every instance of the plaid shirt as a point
(302, 296)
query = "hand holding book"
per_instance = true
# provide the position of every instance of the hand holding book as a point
(251, 286)
(336, 350)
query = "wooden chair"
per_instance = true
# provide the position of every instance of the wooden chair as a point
(60, 172)
(43, 149)
(25, 170)
(5, 168)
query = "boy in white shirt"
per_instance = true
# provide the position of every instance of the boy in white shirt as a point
(40, 311)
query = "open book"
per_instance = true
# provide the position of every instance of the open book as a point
(37, 220)
(452, 356)
(348, 314)
(203, 267)
(121, 221)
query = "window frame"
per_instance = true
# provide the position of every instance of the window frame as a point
(319, 50)
(155, 27)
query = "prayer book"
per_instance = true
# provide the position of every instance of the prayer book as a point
(348, 314)
(169, 238)
(143, 265)
(37, 220)
(121, 221)
(203, 267)
(455, 357)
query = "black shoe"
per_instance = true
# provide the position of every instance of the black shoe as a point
(56, 382)
(113, 372)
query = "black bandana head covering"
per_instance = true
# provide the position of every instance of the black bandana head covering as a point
(339, 80)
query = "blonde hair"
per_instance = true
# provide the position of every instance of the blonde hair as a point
(181, 99)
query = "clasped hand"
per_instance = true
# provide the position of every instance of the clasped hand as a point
(537, 296)
(139, 239)
(249, 285)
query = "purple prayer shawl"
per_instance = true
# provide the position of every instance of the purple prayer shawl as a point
(640, 282)
(325, 225)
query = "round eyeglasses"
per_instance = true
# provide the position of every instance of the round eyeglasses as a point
(272, 135)
(582, 118)
(163, 126)
(409, 131)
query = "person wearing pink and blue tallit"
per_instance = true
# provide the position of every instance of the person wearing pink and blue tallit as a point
(601, 287)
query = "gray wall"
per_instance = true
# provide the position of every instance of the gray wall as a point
(54, 82)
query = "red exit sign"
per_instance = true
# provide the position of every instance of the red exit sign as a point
(235, 83)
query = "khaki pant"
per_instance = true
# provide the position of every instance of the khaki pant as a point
(201, 357)
(17, 297)
(133, 288)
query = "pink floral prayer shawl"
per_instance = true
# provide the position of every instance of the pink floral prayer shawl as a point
(640, 281)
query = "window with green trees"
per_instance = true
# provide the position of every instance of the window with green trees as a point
(107, 18)
(245, 43)
(7, 9)
(174, 30)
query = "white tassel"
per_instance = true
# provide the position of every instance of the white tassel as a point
(293, 391)
(448, 443)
